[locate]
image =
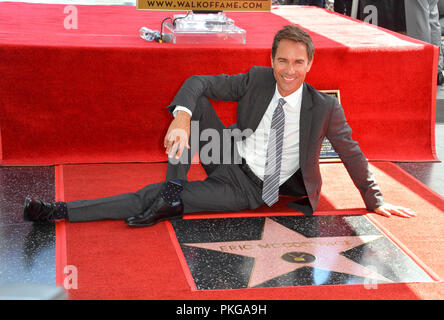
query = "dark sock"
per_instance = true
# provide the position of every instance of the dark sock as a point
(61, 211)
(171, 192)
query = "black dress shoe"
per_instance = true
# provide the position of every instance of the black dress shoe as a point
(37, 210)
(160, 210)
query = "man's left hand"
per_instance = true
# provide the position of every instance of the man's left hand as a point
(387, 210)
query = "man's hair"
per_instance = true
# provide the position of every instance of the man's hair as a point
(293, 33)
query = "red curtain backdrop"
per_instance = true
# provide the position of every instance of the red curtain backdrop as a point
(98, 93)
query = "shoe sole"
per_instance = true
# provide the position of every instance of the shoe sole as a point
(152, 224)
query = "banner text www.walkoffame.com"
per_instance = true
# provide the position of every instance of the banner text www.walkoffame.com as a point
(207, 5)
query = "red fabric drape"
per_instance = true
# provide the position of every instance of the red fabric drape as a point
(98, 93)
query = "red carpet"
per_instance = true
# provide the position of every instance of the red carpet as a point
(123, 263)
(92, 94)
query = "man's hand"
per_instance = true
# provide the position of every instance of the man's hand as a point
(178, 135)
(388, 210)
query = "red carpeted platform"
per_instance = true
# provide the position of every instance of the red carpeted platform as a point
(124, 263)
(97, 93)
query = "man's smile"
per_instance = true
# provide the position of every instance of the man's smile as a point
(286, 78)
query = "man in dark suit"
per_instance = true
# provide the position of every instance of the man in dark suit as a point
(273, 148)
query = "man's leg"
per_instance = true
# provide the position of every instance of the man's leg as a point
(128, 205)
(118, 207)
(435, 29)
(215, 145)
(343, 6)
(422, 22)
(226, 189)
(203, 120)
(417, 19)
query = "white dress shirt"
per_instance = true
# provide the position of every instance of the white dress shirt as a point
(254, 148)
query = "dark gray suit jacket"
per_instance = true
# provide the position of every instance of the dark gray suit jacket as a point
(321, 116)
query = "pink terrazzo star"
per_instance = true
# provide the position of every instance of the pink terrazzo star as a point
(282, 250)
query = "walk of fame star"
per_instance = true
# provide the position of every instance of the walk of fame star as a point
(282, 250)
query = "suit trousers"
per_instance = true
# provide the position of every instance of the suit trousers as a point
(422, 23)
(226, 188)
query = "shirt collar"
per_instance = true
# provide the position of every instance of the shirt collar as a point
(293, 99)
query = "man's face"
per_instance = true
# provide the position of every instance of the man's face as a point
(290, 65)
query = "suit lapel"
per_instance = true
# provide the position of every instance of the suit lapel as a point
(261, 102)
(305, 124)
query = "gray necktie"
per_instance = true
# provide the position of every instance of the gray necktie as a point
(270, 191)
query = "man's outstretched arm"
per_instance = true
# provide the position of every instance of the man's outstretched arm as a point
(357, 165)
